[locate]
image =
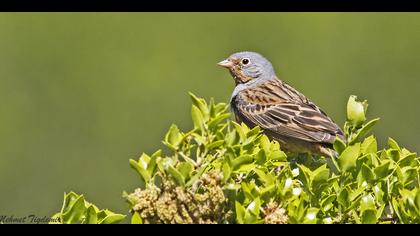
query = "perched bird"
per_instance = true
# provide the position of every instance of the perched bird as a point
(283, 113)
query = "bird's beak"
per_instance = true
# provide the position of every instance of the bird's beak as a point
(226, 63)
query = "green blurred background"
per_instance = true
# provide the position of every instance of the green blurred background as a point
(81, 93)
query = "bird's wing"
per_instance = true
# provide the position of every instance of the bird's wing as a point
(278, 107)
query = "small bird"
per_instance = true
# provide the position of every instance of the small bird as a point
(283, 113)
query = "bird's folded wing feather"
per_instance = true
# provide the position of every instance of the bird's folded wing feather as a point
(276, 106)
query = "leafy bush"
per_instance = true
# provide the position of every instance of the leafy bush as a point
(224, 172)
(76, 209)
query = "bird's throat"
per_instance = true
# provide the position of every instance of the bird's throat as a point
(239, 78)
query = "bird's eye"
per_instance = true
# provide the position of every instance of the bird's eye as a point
(245, 61)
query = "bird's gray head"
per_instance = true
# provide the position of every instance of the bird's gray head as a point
(248, 66)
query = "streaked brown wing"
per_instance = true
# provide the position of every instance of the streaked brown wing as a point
(281, 109)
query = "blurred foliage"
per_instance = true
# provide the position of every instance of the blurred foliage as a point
(83, 92)
(224, 172)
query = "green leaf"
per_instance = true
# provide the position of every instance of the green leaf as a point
(382, 170)
(369, 216)
(379, 194)
(417, 200)
(247, 190)
(306, 175)
(348, 158)
(240, 212)
(214, 122)
(254, 207)
(144, 160)
(265, 143)
(266, 178)
(327, 203)
(379, 212)
(355, 217)
(253, 132)
(367, 203)
(240, 130)
(321, 174)
(231, 138)
(201, 105)
(394, 154)
(311, 216)
(179, 178)
(252, 212)
(260, 158)
(140, 170)
(91, 217)
(355, 111)
(409, 174)
(367, 173)
(69, 200)
(399, 210)
(136, 219)
(200, 139)
(215, 144)
(101, 215)
(267, 190)
(393, 144)
(369, 145)
(151, 166)
(173, 137)
(366, 128)
(339, 145)
(185, 168)
(407, 160)
(320, 177)
(158, 181)
(246, 168)
(197, 118)
(197, 176)
(75, 211)
(164, 163)
(112, 219)
(332, 164)
(241, 160)
(343, 198)
(277, 155)
(227, 171)
(356, 193)
(220, 107)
